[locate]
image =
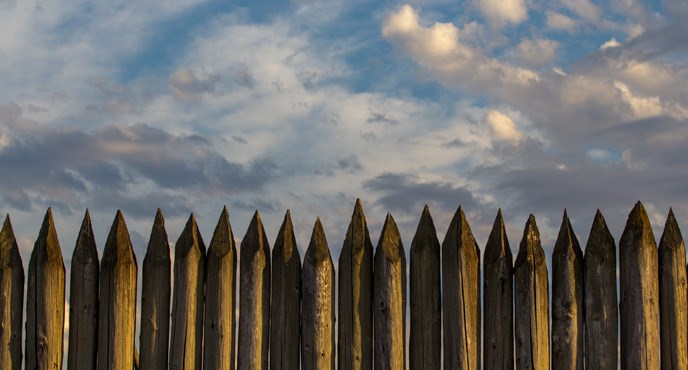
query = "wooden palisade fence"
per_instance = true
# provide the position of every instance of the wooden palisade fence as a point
(286, 316)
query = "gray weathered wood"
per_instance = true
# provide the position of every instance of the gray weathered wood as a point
(186, 340)
(425, 344)
(567, 300)
(531, 301)
(639, 304)
(45, 300)
(12, 302)
(285, 304)
(83, 300)
(220, 304)
(389, 310)
(117, 304)
(317, 320)
(461, 296)
(254, 298)
(673, 297)
(498, 331)
(155, 299)
(601, 310)
(355, 330)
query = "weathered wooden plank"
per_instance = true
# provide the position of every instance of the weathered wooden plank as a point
(601, 310)
(639, 305)
(531, 288)
(12, 300)
(390, 299)
(220, 304)
(425, 344)
(673, 296)
(285, 304)
(83, 300)
(355, 310)
(187, 299)
(254, 298)
(45, 300)
(461, 296)
(317, 320)
(498, 331)
(155, 299)
(117, 304)
(567, 300)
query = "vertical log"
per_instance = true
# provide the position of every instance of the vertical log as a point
(155, 299)
(425, 344)
(461, 296)
(567, 300)
(12, 302)
(673, 296)
(317, 346)
(117, 312)
(83, 300)
(601, 310)
(639, 306)
(254, 298)
(355, 334)
(285, 305)
(390, 299)
(498, 309)
(220, 304)
(531, 287)
(187, 299)
(45, 300)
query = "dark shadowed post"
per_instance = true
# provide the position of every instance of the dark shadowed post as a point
(155, 299)
(639, 305)
(673, 297)
(285, 305)
(531, 301)
(425, 344)
(567, 300)
(187, 300)
(45, 300)
(601, 310)
(355, 334)
(498, 335)
(117, 312)
(254, 298)
(12, 304)
(317, 321)
(83, 301)
(461, 296)
(390, 299)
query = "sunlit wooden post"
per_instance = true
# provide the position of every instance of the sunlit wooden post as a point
(12, 304)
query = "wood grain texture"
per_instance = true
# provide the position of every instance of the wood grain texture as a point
(12, 299)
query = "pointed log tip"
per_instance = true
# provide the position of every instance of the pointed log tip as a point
(7, 225)
(389, 229)
(159, 219)
(7, 232)
(638, 217)
(531, 232)
(319, 240)
(567, 237)
(671, 237)
(287, 219)
(358, 207)
(500, 215)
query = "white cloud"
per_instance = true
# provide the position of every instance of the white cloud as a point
(610, 44)
(558, 21)
(502, 12)
(502, 127)
(538, 51)
(640, 107)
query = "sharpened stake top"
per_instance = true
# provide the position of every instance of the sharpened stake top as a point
(390, 240)
(189, 239)
(671, 238)
(158, 246)
(255, 237)
(638, 225)
(497, 243)
(566, 238)
(47, 240)
(7, 234)
(530, 244)
(285, 245)
(85, 243)
(118, 242)
(318, 250)
(223, 237)
(426, 235)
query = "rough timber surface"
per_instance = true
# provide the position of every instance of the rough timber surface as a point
(12, 304)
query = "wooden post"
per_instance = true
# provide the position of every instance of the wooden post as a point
(355, 334)
(461, 296)
(531, 301)
(83, 300)
(187, 300)
(639, 306)
(317, 346)
(12, 304)
(220, 304)
(390, 299)
(673, 297)
(285, 306)
(498, 344)
(45, 300)
(254, 298)
(155, 299)
(117, 312)
(425, 344)
(601, 310)
(567, 300)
